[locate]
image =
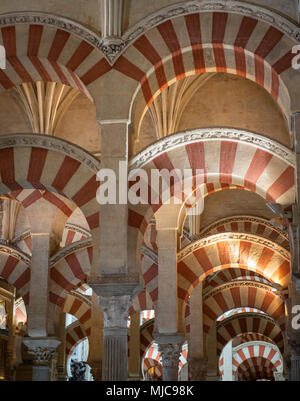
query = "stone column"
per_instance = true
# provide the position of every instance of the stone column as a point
(115, 297)
(114, 217)
(212, 365)
(39, 281)
(227, 355)
(115, 342)
(167, 336)
(196, 359)
(170, 348)
(61, 351)
(42, 350)
(294, 344)
(134, 361)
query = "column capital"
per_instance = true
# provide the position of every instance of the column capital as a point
(42, 349)
(170, 354)
(115, 311)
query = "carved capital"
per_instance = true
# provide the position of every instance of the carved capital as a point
(42, 350)
(170, 354)
(115, 311)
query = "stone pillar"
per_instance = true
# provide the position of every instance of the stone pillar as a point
(294, 344)
(115, 297)
(114, 217)
(170, 348)
(39, 281)
(61, 351)
(42, 351)
(212, 365)
(96, 339)
(115, 342)
(167, 281)
(134, 361)
(227, 355)
(197, 361)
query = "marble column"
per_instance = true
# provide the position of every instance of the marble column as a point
(115, 342)
(42, 351)
(170, 348)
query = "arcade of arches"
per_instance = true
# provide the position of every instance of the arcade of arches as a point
(203, 290)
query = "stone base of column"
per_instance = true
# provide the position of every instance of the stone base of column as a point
(197, 369)
(42, 350)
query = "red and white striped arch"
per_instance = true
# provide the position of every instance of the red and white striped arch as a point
(231, 250)
(15, 269)
(208, 42)
(149, 272)
(224, 276)
(75, 333)
(249, 337)
(224, 161)
(45, 53)
(42, 168)
(262, 351)
(80, 307)
(248, 224)
(248, 324)
(256, 368)
(241, 294)
(72, 268)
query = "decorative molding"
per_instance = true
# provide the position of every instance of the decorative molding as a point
(208, 6)
(53, 144)
(16, 253)
(150, 253)
(42, 350)
(212, 239)
(81, 230)
(245, 316)
(241, 219)
(243, 283)
(69, 249)
(211, 134)
(112, 48)
(85, 298)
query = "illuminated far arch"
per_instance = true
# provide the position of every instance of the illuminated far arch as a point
(268, 169)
